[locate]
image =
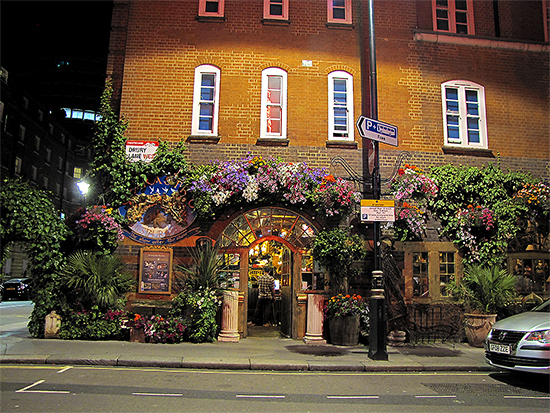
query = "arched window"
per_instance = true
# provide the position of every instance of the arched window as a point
(206, 101)
(273, 115)
(340, 106)
(464, 114)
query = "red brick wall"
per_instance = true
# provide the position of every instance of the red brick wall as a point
(164, 42)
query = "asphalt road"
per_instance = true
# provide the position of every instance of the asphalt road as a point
(106, 389)
(14, 317)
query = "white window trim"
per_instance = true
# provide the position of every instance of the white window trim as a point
(347, 6)
(267, 14)
(203, 12)
(199, 71)
(462, 86)
(273, 71)
(339, 74)
(452, 17)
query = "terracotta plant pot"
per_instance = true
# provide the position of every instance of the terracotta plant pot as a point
(477, 326)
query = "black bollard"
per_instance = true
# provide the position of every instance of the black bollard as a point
(377, 307)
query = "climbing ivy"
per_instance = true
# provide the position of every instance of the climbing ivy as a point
(113, 178)
(29, 216)
(489, 187)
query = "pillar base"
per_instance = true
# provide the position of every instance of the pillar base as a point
(229, 337)
(314, 339)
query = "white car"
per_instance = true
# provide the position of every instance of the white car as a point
(521, 342)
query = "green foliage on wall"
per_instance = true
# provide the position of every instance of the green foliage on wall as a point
(489, 187)
(29, 216)
(113, 178)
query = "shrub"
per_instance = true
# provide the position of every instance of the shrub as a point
(198, 309)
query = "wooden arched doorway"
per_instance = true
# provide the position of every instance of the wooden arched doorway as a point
(277, 237)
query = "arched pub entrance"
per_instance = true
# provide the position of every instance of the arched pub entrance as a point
(278, 238)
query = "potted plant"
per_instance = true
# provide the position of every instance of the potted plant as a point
(344, 313)
(485, 291)
(337, 250)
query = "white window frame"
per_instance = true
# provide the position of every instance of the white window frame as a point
(451, 11)
(48, 155)
(267, 10)
(266, 74)
(330, 12)
(37, 143)
(195, 123)
(333, 133)
(462, 141)
(203, 12)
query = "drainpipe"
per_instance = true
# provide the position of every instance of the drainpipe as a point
(377, 302)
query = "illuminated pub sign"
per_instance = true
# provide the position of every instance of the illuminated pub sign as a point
(155, 271)
(160, 214)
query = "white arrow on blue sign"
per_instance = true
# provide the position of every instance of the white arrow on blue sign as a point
(377, 131)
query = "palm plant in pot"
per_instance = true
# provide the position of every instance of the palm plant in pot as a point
(485, 291)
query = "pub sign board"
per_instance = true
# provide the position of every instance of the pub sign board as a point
(155, 272)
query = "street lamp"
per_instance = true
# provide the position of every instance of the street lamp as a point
(83, 187)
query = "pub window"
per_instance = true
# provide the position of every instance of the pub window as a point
(206, 101)
(420, 274)
(339, 11)
(211, 8)
(464, 114)
(340, 105)
(453, 16)
(533, 276)
(446, 270)
(276, 9)
(273, 115)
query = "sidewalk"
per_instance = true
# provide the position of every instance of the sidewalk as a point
(248, 354)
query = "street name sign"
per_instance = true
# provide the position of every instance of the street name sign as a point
(377, 210)
(377, 131)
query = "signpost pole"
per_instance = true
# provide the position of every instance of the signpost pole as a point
(377, 303)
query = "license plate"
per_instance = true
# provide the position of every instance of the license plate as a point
(500, 348)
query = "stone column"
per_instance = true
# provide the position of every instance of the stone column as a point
(230, 317)
(314, 334)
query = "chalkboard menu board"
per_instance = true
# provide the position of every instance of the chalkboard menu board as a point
(155, 271)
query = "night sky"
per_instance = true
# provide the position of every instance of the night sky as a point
(37, 35)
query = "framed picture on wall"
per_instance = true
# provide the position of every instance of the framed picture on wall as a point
(155, 272)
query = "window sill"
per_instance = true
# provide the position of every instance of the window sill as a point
(272, 142)
(341, 144)
(209, 140)
(479, 152)
(473, 40)
(345, 26)
(276, 22)
(210, 19)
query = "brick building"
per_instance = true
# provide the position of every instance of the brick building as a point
(289, 78)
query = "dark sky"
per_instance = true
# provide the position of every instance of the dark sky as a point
(32, 30)
(37, 35)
